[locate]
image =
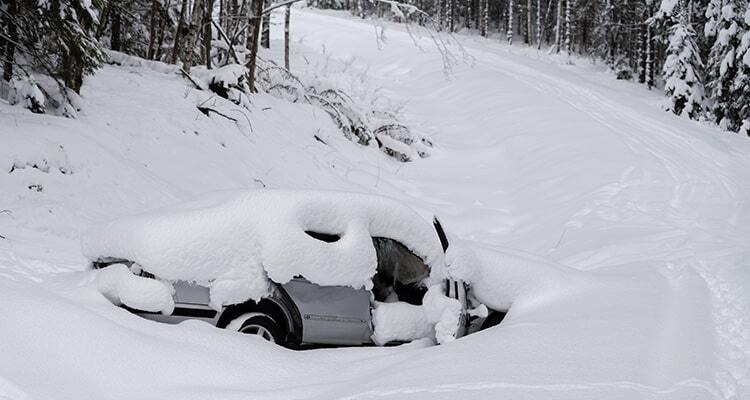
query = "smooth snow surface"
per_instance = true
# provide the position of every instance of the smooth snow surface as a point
(638, 220)
(232, 241)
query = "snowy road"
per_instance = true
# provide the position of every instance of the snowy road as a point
(533, 153)
(567, 162)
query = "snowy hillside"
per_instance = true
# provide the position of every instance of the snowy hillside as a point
(616, 231)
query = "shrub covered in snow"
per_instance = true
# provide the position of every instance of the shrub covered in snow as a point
(25, 91)
(357, 119)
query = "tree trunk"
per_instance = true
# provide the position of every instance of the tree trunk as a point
(287, 17)
(178, 33)
(538, 22)
(103, 21)
(114, 39)
(208, 32)
(558, 27)
(192, 33)
(10, 45)
(164, 16)
(568, 27)
(485, 17)
(265, 38)
(509, 33)
(529, 23)
(255, 15)
(152, 29)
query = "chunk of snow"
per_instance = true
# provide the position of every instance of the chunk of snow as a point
(438, 317)
(118, 284)
(233, 242)
(399, 321)
(443, 312)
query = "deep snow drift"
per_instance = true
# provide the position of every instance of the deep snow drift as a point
(532, 153)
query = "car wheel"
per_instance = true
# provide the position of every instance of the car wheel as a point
(260, 325)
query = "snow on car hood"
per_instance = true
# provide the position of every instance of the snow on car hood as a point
(235, 241)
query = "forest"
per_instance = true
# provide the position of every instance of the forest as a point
(696, 51)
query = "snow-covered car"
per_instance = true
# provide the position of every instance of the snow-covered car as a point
(295, 268)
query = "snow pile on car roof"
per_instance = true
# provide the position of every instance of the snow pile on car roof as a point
(234, 242)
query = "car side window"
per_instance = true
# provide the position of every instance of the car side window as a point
(399, 274)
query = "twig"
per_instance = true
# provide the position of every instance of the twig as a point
(190, 78)
(207, 110)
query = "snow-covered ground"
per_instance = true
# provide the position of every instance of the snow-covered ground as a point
(533, 153)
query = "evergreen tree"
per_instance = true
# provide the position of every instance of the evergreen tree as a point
(724, 26)
(742, 80)
(681, 70)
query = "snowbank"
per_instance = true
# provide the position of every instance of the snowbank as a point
(501, 277)
(20, 151)
(234, 242)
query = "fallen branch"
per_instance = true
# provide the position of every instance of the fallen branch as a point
(207, 110)
(278, 5)
(190, 78)
(229, 43)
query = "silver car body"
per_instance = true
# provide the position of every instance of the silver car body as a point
(307, 313)
(313, 314)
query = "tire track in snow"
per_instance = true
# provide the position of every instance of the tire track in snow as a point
(729, 306)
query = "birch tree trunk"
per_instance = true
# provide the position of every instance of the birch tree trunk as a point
(265, 38)
(485, 17)
(538, 22)
(509, 33)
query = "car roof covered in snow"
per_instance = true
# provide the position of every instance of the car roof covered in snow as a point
(235, 241)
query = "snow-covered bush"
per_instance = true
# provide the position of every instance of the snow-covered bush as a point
(25, 91)
(228, 81)
(357, 119)
(622, 68)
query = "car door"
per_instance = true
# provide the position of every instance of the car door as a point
(331, 314)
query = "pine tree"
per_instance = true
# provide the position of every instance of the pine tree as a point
(742, 80)
(681, 70)
(725, 26)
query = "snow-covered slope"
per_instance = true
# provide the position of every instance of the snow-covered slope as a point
(533, 153)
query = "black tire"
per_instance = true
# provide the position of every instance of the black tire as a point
(493, 319)
(263, 326)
